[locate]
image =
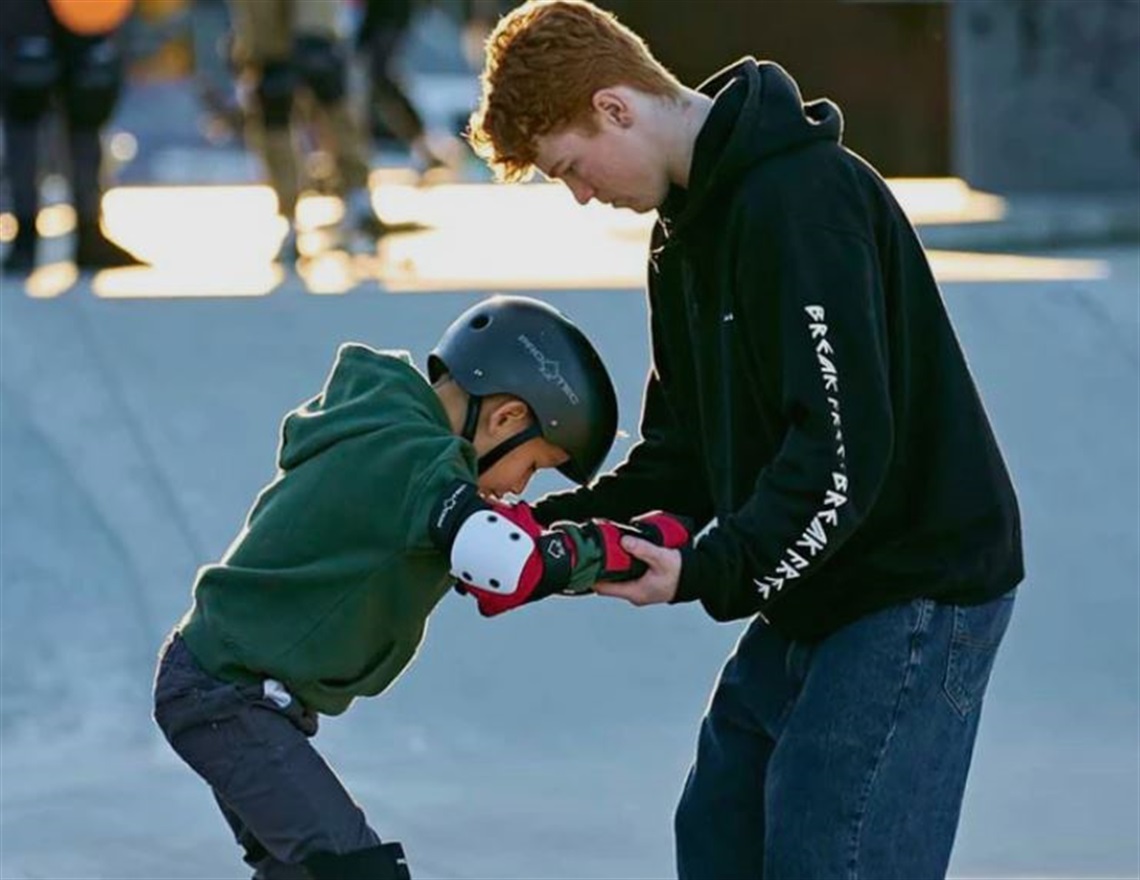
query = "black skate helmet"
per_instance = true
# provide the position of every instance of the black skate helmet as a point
(520, 346)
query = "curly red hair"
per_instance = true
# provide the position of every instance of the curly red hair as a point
(544, 62)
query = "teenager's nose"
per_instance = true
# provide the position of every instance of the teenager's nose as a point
(582, 193)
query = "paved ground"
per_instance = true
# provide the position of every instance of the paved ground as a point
(136, 429)
(138, 418)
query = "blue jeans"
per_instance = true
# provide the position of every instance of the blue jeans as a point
(845, 758)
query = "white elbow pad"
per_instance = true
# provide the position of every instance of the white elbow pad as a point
(490, 552)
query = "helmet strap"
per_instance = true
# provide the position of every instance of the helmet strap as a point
(471, 419)
(486, 462)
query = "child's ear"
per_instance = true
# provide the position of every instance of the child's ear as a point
(509, 417)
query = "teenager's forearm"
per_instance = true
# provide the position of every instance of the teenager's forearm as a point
(839, 443)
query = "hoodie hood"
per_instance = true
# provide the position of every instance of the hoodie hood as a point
(366, 391)
(329, 585)
(759, 112)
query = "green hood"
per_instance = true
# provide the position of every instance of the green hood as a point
(367, 391)
(329, 585)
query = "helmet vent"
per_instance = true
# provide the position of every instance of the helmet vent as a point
(479, 322)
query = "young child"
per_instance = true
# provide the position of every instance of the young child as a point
(385, 482)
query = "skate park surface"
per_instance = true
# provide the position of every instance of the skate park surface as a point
(139, 412)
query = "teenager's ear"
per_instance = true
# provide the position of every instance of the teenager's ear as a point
(612, 105)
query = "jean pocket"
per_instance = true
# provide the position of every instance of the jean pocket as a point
(196, 706)
(977, 633)
(273, 696)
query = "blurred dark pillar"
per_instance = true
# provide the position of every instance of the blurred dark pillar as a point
(1047, 94)
(885, 63)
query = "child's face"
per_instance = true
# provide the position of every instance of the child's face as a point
(511, 473)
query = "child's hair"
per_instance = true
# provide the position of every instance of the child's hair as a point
(545, 60)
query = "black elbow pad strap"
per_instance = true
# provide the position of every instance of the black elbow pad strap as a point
(458, 501)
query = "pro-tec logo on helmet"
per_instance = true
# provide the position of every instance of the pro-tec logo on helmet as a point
(549, 369)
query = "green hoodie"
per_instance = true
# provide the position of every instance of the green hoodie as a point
(329, 585)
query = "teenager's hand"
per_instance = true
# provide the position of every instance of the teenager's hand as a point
(660, 529)
(659, 583)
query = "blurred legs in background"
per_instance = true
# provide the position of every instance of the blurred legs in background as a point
(479, 19)
(210, 30)
(288, 47)
(382, 32)
(46, 65)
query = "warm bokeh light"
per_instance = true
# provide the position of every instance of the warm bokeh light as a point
(52, 280)
(223, 240)
(123, 146)
(314, 212)
(966, 266)
(187, 280)
(455, 260)
(55, 220)
(536, 236)
(508, 237)
(330, 273)
(220, 227)
(945, 200)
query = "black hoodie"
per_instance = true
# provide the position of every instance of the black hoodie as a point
(807, 388)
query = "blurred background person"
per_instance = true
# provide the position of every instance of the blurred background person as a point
(64, 55)
(213, 71)
(380, 37)
(478, 19)
(285, 48)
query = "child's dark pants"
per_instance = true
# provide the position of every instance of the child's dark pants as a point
(285, 805)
